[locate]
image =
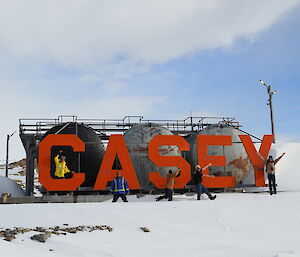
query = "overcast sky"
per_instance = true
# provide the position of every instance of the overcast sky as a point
(159, 59)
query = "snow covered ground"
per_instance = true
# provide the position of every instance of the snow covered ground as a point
(235, 224)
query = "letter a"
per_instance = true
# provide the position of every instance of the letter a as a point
(116, 147)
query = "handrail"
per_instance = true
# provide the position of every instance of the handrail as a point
(188, 125)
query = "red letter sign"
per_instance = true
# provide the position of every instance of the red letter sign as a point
(257, 163)
(45, 179)
(169, 161)
(116, 146)
(203, 141)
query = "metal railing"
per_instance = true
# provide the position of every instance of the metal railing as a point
(109, 126)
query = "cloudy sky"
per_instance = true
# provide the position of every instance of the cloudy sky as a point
(160, 59)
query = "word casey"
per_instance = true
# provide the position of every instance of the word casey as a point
(117, 147)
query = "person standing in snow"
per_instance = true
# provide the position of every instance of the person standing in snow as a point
(270, 169)
(197, 179)
(169, 186)
(119, 188)
(61, 169)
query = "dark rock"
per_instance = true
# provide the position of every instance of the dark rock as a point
(40, 229)
(9, 238)
(56, 228)
(145, 229)
(71, 230)
(41, 237)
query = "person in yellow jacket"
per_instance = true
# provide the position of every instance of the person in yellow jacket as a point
(61, 165)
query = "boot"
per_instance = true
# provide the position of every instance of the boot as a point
(213, 197)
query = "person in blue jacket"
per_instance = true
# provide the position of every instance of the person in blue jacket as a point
(119, 188)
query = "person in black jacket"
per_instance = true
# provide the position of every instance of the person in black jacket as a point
(197, 179)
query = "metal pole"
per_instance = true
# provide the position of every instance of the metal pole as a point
(271, 112)
(270, 93)
(7, 146)
(6, 164)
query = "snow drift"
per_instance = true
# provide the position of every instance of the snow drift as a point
(9, 186)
